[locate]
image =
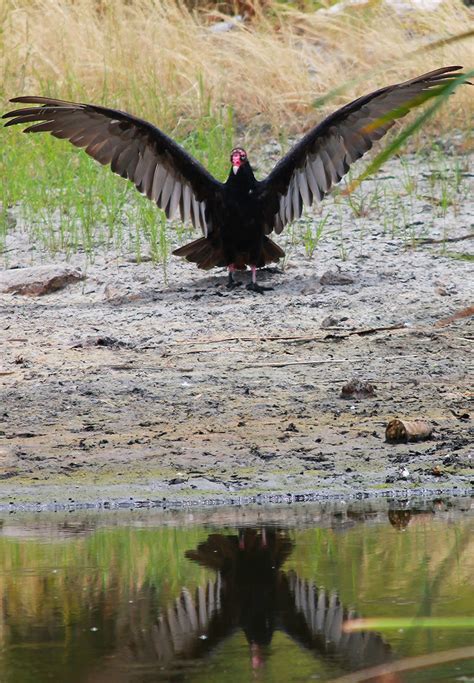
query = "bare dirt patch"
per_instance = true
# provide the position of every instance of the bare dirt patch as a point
(133, 384)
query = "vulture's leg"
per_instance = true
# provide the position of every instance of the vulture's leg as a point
(231, 283)
(253, 285)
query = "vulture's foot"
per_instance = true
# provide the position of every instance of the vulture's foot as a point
(254, 287)
(231, 283)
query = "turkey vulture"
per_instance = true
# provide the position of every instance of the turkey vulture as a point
(236, 217)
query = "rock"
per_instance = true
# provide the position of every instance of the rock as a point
(398, 6)
(138, 258)
(357, 389)
(38, 280)
(311, 285)
(402, 6)
(99, 340)
(205, 484)
(8, 463)
(224, 26)
(329, 321)
(331, 277)
(111, 293)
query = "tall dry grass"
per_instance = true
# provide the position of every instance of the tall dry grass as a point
(160, 60)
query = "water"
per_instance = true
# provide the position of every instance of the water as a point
(233, 595)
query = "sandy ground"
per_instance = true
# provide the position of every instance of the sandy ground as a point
(130, 384)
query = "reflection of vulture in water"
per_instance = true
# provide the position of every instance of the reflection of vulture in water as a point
(252, 592)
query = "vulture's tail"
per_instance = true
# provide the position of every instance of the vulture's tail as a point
(271, 252)
(203, 253)
(207, 256)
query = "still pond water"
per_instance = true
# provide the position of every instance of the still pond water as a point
(233, 595)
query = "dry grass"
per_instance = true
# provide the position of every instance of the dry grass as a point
(160, 60)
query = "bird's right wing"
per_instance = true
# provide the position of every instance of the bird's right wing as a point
(135, 149)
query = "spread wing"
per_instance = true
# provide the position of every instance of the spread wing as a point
(192, 625)
(315, 618)
(323, 156)
(133, 148)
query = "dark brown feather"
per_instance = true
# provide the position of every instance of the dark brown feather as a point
(134, 149)
(323, 156)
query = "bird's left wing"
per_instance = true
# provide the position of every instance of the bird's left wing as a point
(323, 156)
(135, 149)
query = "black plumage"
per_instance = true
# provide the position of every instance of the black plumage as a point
(235, 217)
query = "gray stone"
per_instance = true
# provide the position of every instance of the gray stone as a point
(331, 277)
(38, 280)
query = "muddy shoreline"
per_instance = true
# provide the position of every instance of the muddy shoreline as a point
(137, 384)
(263, 505)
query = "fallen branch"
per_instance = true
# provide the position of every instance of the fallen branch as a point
(323, 336)
(462, 313)
(362, 359)
(431, 240)
(374, 330)
(298, 338)
(169, 354)
(256, 337)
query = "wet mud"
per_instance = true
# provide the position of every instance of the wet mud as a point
(145, 384)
